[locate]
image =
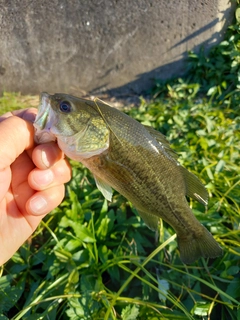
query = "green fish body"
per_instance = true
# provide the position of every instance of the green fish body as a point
(135, 160)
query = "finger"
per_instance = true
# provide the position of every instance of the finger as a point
(45, 155)
(42, 202)
(58, 174)
(16, 135)
(28, 114)
(37, 207)
(20, 188)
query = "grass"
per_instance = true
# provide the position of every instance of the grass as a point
(92, 260)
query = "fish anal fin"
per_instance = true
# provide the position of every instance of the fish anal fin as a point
(192, 247)
(194, 187)
(150, 220)
(104, 188)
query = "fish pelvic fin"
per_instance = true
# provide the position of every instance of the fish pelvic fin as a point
(192, 248)
(150, 220)
(194, 187)
(104, 188)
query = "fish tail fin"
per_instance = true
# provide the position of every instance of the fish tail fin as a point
(194, 247)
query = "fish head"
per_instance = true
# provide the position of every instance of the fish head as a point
(75, 123)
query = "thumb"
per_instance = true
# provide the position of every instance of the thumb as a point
(5, 179)
(16, 135)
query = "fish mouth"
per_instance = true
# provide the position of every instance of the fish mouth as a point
(44, 121)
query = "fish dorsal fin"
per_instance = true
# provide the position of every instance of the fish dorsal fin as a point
(162, 140)
(104, 188)
(150, 220)
(194, 187)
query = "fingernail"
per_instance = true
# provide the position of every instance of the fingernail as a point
(38, 205)
(43, 178)
(45, 159)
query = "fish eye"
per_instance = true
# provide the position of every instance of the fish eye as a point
(65, 106)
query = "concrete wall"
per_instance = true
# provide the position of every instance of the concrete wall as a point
(95, 45)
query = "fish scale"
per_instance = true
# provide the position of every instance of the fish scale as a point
(144, 192)
(135, 160)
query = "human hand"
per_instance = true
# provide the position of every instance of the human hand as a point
(31, 180)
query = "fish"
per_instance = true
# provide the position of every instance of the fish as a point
(133, 159)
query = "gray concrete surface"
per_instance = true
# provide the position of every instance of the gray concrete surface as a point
(92, 46)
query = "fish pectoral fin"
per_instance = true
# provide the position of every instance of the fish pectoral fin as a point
(119, 171)
(194, 187)
(150, 220)
(104, 188)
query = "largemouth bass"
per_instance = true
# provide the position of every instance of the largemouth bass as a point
(135, 160)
